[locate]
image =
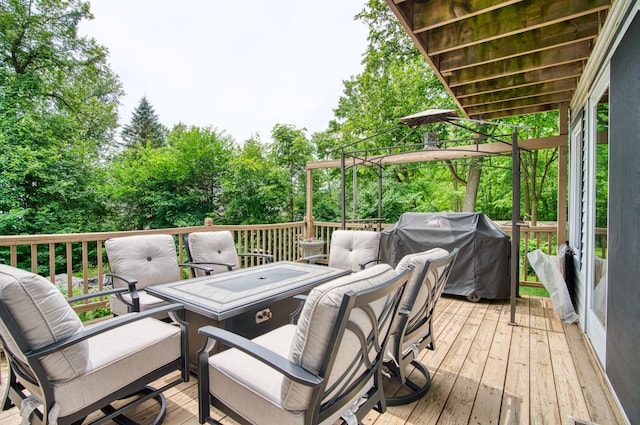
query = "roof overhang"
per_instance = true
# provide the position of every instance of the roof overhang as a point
(501, 58)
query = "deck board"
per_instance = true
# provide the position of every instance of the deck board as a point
(484, 370)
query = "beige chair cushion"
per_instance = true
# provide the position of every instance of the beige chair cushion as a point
(44, 317)
(213, 246)
(151, 259)
(315, 325)
(251, 387)
(418, 261)
(350, 248)
(119, 357)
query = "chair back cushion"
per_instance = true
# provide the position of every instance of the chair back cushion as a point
(217, 247)
(151, 259)
(43, 317)
(350, 248)
(316, 324)
(420, 281)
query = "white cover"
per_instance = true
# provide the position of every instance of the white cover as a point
(44, 317)
(350, 248)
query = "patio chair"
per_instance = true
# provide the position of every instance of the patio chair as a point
(140, 261)
(414, 330)
(61, 371)
(326, 367)
(216, 250)
(351, 249)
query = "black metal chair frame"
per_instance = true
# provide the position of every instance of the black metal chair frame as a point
(319, 408)
(33, 372)
(421, 328)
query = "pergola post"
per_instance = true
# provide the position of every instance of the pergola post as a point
(308, 217)
(563, 154)
(515, 218)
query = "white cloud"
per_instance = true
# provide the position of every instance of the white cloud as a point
(241, 67)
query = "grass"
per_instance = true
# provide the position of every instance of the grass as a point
(536, 292)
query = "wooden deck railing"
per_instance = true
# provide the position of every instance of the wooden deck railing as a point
(83, 255)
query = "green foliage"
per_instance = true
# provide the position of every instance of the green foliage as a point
(176, 185)
(145, 129)
(534, 291)
(291, 150)
(58, 102)
(62, 171)
(256, 189)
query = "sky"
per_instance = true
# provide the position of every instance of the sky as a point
(239, 67)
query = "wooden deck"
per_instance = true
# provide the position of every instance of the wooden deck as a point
(484, 371)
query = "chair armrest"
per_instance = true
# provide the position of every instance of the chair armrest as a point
(311, 258)
(102, 327)
(266, 356)
(229, 266)
(366, 263)
(114, 291)
(199, 266)
(131, 282)
(293, 317)
(267, 257)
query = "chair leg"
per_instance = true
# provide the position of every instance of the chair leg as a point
(124, 420)
(416, 391)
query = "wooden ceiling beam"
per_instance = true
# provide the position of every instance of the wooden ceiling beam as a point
(429, 14)
(540, 100)
(571, 70)
(549, 87)
(562, 33)
(549, 58)
(504, 22)
(517, 112)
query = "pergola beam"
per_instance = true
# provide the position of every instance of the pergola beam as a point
(468, 151)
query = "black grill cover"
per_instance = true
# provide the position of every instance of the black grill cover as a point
(482, 267)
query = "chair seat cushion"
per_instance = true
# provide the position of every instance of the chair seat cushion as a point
(251, 387)
(119, 357)
(44, 317)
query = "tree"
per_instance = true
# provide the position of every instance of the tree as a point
(255, 191)
(291, 150)
(174, 185)
(396, 82)
(145, 128)
(58, 102)
(538, 168)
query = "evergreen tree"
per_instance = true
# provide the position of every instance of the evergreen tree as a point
(145, 128)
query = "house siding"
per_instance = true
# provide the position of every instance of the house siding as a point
(623, 304)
